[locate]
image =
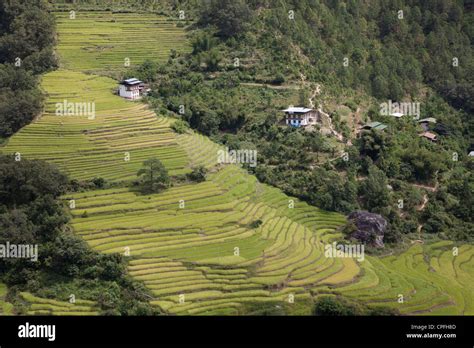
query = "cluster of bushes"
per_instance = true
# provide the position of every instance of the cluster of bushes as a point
(27, 39)
(330, 306)
(153, 177)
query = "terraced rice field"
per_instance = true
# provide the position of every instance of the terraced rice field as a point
(431, 279)
(6, 308)
(112, 145)
(114, 140)
(208, 256)
(104, 41)
(43, 306)
(187, 258)
(208, 251)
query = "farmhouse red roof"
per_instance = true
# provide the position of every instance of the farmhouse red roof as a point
(428, 135)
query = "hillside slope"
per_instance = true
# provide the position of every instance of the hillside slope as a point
(222, 245)
(111, 144)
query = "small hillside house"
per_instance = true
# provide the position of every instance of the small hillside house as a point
(425, 123)
(131, 89)
(301, 116)
(374, 125)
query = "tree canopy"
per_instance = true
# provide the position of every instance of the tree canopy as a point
(27, 37)
(153, 177)
(231, 17)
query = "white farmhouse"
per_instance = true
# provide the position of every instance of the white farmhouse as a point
(301, 116)
(131, 89)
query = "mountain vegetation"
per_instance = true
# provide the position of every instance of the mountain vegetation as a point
(231, 240)
(27, 38)
(234, 84)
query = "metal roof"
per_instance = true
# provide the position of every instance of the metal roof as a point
(376, 125)
(373, 124)
(131, 81)
(297, 110)
(381, 126)
(429, 119)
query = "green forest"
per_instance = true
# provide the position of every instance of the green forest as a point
(27, 38)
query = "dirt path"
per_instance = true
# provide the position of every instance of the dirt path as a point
(356, 121)
(425, 202)
(426, 187)
(418, 230)
(277, 87)
(316, 92)
(357, 118)
(333, 131)
(423, 205)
